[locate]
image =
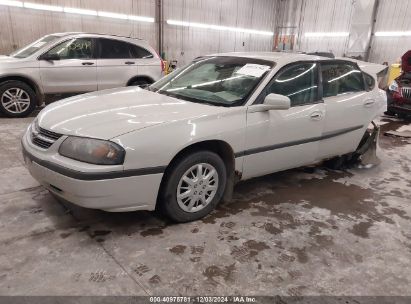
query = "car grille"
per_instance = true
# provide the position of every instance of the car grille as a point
(43, 138)
(406, 93)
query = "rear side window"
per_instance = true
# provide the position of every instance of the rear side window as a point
(339, 78)
(115, 49)
(299, 82)
(369, 82)
(139, 52)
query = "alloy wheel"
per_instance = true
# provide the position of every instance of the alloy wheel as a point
(15, 100)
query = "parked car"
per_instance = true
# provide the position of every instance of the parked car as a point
(181, 144)
(60, 65)
(399, 91)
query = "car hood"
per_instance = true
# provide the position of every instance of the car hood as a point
(7, 59)
(110, 113)
(8, 63)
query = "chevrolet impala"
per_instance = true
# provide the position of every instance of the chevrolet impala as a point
(181, 144)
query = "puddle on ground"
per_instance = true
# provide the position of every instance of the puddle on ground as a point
(225, 272)
(152, 232)
(179, 249)
(284, 187)
(390, 141)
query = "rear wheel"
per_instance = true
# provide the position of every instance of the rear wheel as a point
(193, 187)
(17, 99)
(340, 162)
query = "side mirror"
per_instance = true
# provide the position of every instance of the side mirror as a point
(50, 57)
(272, 102)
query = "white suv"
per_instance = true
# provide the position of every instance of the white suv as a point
(64, 64)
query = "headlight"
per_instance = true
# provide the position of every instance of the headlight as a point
(394, 86)
(93, 151)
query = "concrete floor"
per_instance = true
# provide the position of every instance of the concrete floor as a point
(309, 231)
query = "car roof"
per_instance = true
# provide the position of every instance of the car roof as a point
(278, 57)
(65, 34)
(283, 58)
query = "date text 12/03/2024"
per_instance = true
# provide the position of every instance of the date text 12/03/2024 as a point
(203, 299)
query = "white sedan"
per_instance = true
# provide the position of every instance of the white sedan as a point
(180, 145)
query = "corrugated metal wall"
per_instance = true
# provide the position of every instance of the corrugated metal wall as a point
(393, 15)
(19, 26)
(336, 16)
(184, 43)
(318, 16)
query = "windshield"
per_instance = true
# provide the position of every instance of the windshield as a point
(30, 49)
(221, 81)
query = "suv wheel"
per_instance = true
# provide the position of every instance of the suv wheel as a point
(17, 99)
(194, 187)
(140, 83)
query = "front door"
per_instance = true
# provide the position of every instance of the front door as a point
(283, 139)
(74, 71)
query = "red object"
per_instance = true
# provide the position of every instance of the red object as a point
(406, 62)
(400, 101)
(163, 66)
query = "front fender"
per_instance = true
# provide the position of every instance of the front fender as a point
(159, 144)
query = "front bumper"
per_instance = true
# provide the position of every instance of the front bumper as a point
(402, 106)
(110, 191)
(400, 109)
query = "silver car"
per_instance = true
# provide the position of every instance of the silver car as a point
(65, 64)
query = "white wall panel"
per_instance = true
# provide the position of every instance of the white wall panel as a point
(184, 43)
(393, 15)
(319, 16)
(19, 26)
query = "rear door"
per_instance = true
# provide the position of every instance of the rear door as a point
(149, 66)
(282, 139)
(74, 72)
(116, 64)
(349, 107)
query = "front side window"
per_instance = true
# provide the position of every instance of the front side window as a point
(222, 81)
(115, 49)
(77, 48)
(32, 48)
(299, 82)
(340, 78)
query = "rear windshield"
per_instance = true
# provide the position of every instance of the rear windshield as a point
(30, 49)
(220, 81)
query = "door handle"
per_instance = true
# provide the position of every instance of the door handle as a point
(87, 63)
(369, 102)
(316, 115)
(129, 62)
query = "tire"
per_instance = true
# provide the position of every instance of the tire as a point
(169, 203)
(336, 163)
(140, 83)
(389, 113)
(342, 162)
(17, 99)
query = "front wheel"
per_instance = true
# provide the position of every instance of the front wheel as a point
(193, 187)
(140, 83)
(17, 99)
